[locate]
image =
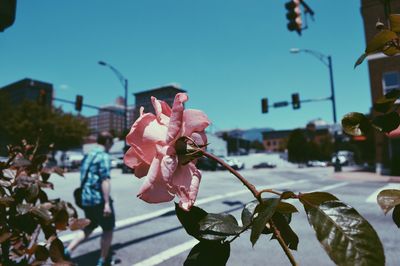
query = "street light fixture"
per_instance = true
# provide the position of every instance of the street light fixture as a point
(124, 83)
(327, 61)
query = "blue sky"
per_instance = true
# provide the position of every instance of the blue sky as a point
(226, 54)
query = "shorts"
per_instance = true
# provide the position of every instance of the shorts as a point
(96, 217)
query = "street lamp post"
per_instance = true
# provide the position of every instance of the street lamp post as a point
(327, 61)
(124, 83)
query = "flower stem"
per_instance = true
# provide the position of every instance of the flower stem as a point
(285, 248)
(257, 195)
(250, 186)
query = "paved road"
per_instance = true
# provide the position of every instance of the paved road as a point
(150, 234)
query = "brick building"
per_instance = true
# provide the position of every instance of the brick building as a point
(28, 90)
(166, 93)
(384, 74)
(276, 140)
(111, 118)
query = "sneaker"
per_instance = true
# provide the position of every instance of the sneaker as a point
(101, 262)
(67, 254)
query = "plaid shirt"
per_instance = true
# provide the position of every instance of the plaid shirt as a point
(98, 165)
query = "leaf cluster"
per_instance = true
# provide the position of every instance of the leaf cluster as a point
(386, 41)
(31, 121)
(345, 235)
(26, 211)
(357, 124)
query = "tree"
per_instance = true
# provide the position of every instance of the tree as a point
(31, 121)
(297, 146)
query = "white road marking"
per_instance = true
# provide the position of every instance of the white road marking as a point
(169, 253)
(330, 187)
(372, 197)
(148, 216)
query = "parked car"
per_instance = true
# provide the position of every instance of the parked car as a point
(316, 163)
(117, 162)
(264, 165)
(232, 162)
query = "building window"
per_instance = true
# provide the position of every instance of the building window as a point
(390, 81)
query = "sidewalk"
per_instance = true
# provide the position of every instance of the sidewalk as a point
(356, 174)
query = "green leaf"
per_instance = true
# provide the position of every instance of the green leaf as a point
(284, 207)
(41, 253)
(314, 199)
(287, 194)
(21, 162)
(190, 219)
(395, 22)
(387, 122)
(212, 253)
(32, 193)
(56, 250)
(4, 236)
(377, 43)
(6, 201)
(61, 219)
(23, 208)
(388, 199)
(355, 124)
(287, 234)
(396, 215)
(247, 212)
(42, 213)
(78, 224)
(58, 171)
(360, 59)
(385, 103)
(218, 226)
(390, 51)
(262, 214)
(345, 235)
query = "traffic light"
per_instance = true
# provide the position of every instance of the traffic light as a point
(264, 105)
(78, 103)
(7, 13)
(294, 16)
(42, 97)
(296, 101)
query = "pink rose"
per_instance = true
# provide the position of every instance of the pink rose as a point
(152, 153)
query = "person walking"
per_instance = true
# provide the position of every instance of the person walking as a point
(96, 201)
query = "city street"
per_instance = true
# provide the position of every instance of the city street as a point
(150, 234)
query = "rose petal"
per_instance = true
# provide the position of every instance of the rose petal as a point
(186, 182)
(194, 120)
(168, 167)
(141, 170)
(154, 189)
(200, 138)
(175, 122)
(145, 133)
(131, 158)
(162, 110)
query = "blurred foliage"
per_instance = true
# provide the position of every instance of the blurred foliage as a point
(26, 212)
(357, 124)
(302, 149)
(31, 121)
(386, 41)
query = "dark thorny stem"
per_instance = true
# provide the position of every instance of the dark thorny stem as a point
(278, 236)
(257, 195)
